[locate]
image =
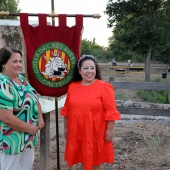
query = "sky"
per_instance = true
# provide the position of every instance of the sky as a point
(93, 28)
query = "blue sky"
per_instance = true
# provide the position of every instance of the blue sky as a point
(93, 28)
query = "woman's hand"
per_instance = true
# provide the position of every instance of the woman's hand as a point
(41, 123)
(65, 132)
(32, 130)
(109, 135)
(65, 127)
(109, 131)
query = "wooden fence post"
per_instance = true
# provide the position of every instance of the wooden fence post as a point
(45, 143)
(111, 79)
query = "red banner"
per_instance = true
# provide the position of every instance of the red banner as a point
(51, 53)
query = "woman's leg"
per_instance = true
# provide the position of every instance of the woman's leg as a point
(98, 167)
(22, 161)
(82, 167)
(27, 160)
(9, 162)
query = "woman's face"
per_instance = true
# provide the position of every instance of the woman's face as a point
(13, 65)
(88, 71)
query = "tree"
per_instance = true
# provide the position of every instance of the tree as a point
(121, 51)
(90, 47)
(142, 26)
(10, 6)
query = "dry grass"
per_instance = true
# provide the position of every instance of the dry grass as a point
(142, 146)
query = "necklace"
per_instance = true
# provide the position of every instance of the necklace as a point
(16, 80)
(7, 75)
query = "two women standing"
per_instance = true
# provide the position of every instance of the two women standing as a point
(89, 115)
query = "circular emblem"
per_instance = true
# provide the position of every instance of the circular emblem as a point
(53, 64)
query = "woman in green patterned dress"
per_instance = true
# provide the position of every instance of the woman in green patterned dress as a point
(20, 114)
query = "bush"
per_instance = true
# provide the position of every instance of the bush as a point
(154, 96)
(160, 96)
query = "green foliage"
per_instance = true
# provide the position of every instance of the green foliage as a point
(163, 57)
(153, 96)
(157, 80)
(101, 53)
(122, 53)
(10, 6)
(169, 97)
(138, 25)
(160, 96)
(86, 47)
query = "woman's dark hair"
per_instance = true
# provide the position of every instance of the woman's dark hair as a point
(78, 65)
(5, 54)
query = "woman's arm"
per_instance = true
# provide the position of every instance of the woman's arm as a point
(13, 122)
(65, 127)
(109, 131)
(41, 123)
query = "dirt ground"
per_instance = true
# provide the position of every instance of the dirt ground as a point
(140, 143)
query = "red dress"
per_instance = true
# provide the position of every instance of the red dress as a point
(88, 109)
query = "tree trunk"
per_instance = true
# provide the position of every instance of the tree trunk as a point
(147, 65)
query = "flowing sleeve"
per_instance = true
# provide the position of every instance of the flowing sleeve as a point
(65, 109)
(109, 103)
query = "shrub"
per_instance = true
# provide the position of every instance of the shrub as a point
(154, 96)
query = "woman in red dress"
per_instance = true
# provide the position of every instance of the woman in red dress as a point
(89, 115)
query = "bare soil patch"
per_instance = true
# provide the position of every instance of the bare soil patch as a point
(142, 146)
(141, 143)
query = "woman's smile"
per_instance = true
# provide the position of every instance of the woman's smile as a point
(88, 71)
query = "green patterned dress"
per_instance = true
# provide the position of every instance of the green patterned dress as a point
(22, 100)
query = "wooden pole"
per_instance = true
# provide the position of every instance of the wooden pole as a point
(44, 143)
(52, 12)
(57, 135)
(56, 102)
(6, 13)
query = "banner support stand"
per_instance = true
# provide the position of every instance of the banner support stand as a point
(57, 134)
(56, 103)
(3, 13)
(53, 12)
